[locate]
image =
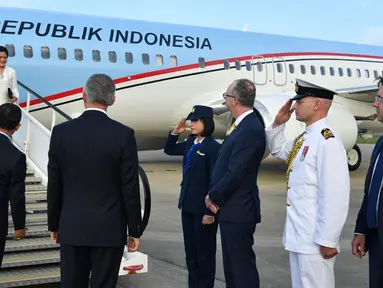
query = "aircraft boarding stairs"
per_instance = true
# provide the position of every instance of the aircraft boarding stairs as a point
(36, 259)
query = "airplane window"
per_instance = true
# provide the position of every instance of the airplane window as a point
(259, 66)
(129, 58)
(349, 73)
(291, 68)
(237, 65)
(11, 50)
(78, 55)
(367, 73)
(96, 56)
(201, 62)
(61, 52)
(340, 71)
(226, 64)
(332, 71)
(45, 52)
(279, 68)
(303, 69)
(145, 59)
(358, 74)
(159, 60)
(174, 61)
(376, 75)
(248, 66)
(28, 51)
(313, 70)
(322, 70)
(112, 57)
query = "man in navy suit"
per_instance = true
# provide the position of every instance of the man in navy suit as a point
(234, 193)
(369, 223)
(13, 169)
(93, 190)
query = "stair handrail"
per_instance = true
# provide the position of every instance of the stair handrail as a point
(62, 113)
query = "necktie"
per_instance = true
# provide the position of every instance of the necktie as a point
(373, 194)
(231, 129)
(189, 156)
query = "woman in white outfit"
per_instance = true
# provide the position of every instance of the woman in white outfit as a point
(8, 81)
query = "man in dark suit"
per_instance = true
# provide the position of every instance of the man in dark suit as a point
(93, 190)
(234, 191)
(368, 230)
(13, 169)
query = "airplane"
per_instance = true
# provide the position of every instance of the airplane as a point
(162, 70)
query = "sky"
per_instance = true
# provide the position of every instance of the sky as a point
(357, 21)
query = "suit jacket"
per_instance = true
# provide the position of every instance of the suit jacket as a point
(234, 179)
(93, 185)
(361, 221)
(13, 169)
(196, 181)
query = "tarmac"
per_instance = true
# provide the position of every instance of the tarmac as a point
(163, 241)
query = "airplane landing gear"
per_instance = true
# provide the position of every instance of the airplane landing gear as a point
(354, 158)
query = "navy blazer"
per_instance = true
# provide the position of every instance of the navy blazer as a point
(13, 170)
(196, 182)
(361, 221)
(234, 179)
(93, 184)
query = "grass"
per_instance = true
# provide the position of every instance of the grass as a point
(372, 140)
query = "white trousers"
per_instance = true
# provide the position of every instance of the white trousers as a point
(311, 271)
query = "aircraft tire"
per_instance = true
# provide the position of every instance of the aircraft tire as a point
(354, 158)
(147, 196)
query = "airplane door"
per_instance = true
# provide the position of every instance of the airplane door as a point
(259, 70)
(279, 71)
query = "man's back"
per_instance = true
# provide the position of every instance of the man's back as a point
(95, 158)
(12, 184)
(238, 162)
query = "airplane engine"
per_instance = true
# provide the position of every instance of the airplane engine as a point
(341, 120)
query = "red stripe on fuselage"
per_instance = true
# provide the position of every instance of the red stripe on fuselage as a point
(194, 66)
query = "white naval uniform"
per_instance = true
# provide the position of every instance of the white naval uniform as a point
(317, 202)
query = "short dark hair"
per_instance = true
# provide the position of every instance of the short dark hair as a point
(244, 90)
(209, 127)
(10, 116)
(3, 49)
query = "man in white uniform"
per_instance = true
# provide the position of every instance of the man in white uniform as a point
(318, 186)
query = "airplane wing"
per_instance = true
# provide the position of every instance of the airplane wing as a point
(359, 100)
(361, 93)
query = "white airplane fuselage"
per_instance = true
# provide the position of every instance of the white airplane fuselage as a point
(162, 70)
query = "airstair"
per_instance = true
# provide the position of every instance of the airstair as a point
(36, 259)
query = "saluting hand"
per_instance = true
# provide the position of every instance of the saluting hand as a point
(181, 127)
(284, 114)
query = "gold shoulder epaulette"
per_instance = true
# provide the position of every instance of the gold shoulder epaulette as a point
(327, 133)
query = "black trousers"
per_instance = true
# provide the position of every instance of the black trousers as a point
(375, 256)
(2, 248)
(200, 248)
(77, 262)
(239, 263)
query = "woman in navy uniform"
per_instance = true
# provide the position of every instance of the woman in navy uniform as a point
(198, 223)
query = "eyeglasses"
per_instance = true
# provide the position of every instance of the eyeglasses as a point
(224, 95)
(378, 99)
